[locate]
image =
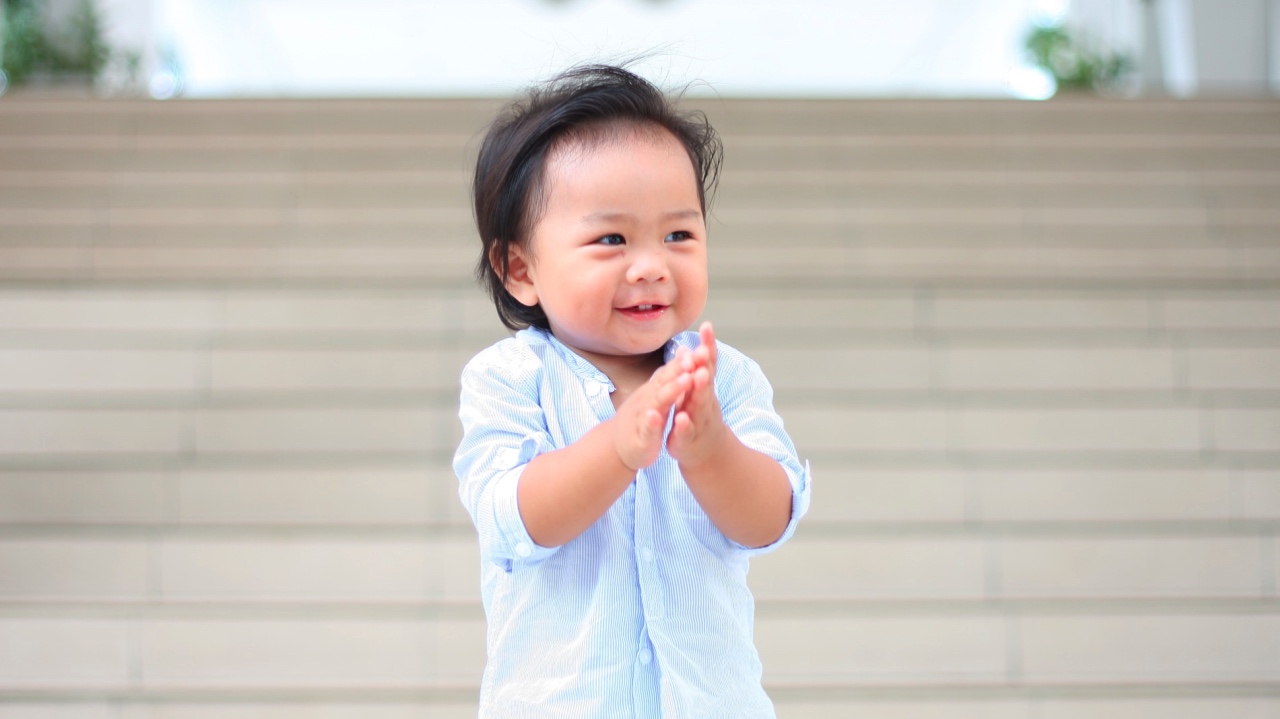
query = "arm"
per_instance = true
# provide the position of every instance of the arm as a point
(564, 492)
(525, 496)
(744, 492)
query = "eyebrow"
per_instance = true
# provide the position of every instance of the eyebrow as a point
(615, 216)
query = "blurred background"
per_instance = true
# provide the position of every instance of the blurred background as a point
(1013, 267)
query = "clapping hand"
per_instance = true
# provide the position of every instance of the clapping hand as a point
(698, 428)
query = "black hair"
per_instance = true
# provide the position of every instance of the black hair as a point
(584, 102)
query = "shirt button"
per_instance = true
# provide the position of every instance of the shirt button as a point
(523, 550)
(646, 655)
(646, 554)
(594, 388)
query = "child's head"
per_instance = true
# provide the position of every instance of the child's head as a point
(590, 197)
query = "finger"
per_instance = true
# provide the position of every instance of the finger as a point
(651, 424)
(680, 426)
(668, 392)
(675, 439)
(707, 336)
(701, 380)
(684, 359)
(668, 369)
(700, 392)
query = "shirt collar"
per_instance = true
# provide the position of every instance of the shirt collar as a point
(586, 370)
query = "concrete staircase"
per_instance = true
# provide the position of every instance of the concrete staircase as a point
(1032, 351)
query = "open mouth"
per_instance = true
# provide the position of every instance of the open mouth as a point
(645, 311)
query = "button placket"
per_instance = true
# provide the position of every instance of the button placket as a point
(651, 594)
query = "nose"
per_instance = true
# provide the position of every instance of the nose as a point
(648, 264)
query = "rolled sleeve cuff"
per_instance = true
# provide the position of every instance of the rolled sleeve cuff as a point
(799, 506)
(506, 507)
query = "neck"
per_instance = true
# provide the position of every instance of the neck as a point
(626, 372)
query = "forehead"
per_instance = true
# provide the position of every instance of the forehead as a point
(635, 157)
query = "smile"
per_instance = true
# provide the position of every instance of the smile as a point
(646, 311)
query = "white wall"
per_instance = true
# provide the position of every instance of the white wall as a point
(1231, 42)
(485, 47)
(968, 48)
(1218, 47)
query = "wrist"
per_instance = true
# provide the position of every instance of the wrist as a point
(714, 446)
(619, 444)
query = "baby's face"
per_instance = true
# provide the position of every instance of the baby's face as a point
(619, 257)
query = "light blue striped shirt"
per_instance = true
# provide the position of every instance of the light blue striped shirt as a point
(645, 614)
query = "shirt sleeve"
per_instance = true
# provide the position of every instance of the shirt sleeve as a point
(503, 429)
(746, 402)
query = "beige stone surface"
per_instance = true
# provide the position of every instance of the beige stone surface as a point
(1036, 708)
(816, 428)
(1257, 495)
(325, 429)
(1118, 566)
(827, 650)
(355, 494)
(68, 431)
(109, 309)
(1154, 647)
(888, 495)
(819, 568)
(41, 262)
(756, 311)
(1060, 368)
(836, 368)
(1075, 430)
(1094, 309)
(904, 709)
(102, 497)
(288, 710)
(1234, 367)
(1221, 310)
(1166, 708)
(1249, 430)
(98, 370)
(318, 653)
(320, 570)
(56, 653)
(1029, 348)
(338, 310)
(241, 263)
(85, 569)
(58, 710)
(241, 709)
(355, 368)
(1114, 495)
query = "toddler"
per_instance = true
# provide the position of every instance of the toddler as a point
(620, 471)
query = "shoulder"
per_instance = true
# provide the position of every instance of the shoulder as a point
(515, 360)
(733, 366)
(734, 369)
(738, 377)
(732, 359)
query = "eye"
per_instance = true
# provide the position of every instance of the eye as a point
(612, 240)
(679, 236)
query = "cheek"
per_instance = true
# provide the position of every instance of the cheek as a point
(583, 295)
(694, 281)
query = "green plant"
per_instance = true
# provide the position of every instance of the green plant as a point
(1074, 64)
(33, 44)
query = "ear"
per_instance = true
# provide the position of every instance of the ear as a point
(519, 280)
